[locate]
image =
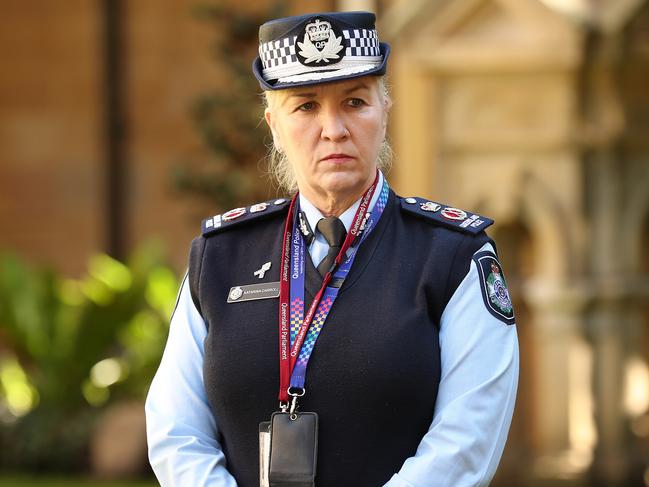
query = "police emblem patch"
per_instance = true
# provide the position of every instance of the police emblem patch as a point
(321, 44)
(494, 287)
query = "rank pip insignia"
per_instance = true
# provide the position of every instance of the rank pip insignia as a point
(238, 216)
(453, 213)
(448, 216)
(258, 207)
(232, 214)
(321, 44)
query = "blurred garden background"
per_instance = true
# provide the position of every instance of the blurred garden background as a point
(124, 123)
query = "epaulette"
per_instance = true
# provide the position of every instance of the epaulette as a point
(241, 215)
(447, 216)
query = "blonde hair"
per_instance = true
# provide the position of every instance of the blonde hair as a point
(279, 167)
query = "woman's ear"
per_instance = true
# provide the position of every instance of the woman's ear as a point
(270, 120)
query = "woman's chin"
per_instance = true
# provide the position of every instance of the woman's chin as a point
(342, 183)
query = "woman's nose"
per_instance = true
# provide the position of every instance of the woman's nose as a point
(333, 125)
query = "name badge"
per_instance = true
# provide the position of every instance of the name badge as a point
(251, 292)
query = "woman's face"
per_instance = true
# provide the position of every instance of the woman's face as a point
(331, 134)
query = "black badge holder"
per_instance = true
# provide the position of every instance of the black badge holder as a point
(293, 450)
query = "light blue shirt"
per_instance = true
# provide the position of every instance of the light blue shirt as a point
(462, 448)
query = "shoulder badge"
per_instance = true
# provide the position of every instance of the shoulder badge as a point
(446, 215)
(493, 286)
(244, 214)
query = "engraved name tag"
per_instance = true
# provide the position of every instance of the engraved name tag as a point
(251, 292)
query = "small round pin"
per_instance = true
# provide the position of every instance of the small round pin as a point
(410, 201)
(236, 293)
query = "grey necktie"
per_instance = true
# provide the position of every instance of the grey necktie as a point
(333, 230)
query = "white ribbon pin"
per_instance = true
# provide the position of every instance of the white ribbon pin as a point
(262, 271)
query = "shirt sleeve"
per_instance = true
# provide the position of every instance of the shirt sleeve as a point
(477, 392)
(181, 429)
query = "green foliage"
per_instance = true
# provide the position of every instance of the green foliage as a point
(24, 481)
(72, 346)
(230, 120)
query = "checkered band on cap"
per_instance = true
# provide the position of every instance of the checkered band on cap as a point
(362, 42)
(280, 61)
(278, 53)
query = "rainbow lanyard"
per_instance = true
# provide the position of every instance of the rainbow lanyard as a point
(297, 332)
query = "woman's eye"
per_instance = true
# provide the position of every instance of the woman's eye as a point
(308, 106)
(356, 102)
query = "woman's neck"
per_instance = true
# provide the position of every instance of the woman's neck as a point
(334, 206)
(332, 203)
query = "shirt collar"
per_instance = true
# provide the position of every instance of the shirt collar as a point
(313, 215)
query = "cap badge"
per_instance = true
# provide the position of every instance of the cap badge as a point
(321, 44)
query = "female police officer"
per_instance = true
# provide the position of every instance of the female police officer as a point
(373, 331)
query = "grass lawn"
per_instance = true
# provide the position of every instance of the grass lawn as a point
(27, 481)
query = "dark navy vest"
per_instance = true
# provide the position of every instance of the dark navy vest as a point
(375, 369)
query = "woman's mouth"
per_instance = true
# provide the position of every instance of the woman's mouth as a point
(337, 158)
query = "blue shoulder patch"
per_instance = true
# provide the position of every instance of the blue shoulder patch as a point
(447, 216)
(237, 216)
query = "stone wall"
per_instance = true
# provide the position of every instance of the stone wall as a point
(538, 119)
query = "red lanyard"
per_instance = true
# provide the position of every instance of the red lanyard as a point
(287, 358)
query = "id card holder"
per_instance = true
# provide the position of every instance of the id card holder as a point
(293, 450)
